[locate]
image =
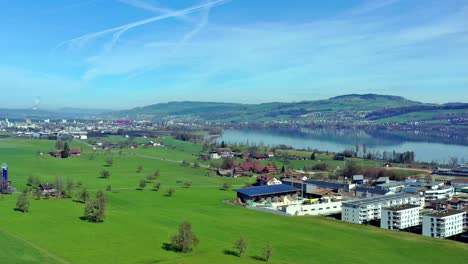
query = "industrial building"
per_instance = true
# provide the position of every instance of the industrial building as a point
(257, 193)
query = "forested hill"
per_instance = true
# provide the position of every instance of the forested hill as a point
(340, 108)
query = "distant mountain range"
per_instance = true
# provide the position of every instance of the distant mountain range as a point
(351, 107)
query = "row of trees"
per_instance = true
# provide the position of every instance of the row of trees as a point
(241, 247)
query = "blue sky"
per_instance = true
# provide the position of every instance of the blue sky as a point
(125, 53)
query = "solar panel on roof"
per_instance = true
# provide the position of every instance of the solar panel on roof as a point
(266, 189)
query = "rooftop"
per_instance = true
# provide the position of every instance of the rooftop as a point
(445, 213)
(401, 207)
(266, 189)
(380, 199)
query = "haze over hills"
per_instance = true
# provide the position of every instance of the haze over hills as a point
(385, 108)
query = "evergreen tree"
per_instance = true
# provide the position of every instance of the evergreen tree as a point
(66, 150)
(312, 157)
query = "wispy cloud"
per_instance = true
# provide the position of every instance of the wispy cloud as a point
(364, 49)
(120, 30)
(155, 9)
(371, 6)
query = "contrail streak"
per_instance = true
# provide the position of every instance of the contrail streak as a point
(152, 8)
(121, 29)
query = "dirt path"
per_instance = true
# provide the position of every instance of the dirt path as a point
(410, 169)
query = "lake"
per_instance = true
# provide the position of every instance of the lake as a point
(427, 147)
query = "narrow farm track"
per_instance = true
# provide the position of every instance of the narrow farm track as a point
(43, 250)
(145, 156)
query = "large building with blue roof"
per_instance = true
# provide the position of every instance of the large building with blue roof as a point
(257, 193)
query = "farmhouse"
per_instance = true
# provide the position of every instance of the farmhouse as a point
(256, 193)
(47, 188)
(72, 152)
(75, 151)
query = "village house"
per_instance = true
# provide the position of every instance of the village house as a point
(358, 179)
(267, 179)
(214, 155)
(71, 152)
(75, 151)
(458, 203)
(382, 180)
(248, 167)
(260, 156)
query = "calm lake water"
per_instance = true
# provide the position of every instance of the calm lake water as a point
(426, 147)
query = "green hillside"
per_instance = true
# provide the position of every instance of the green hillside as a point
(138, 223)
(269, 111)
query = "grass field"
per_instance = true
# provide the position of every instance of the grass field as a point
(139, 222)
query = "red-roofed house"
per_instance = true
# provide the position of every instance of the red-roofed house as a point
(75, 151)
(260, 156)
(271, 168)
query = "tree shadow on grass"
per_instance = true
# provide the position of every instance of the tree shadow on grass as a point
(77, 201)
(169, 247)
(18, 210)
(231, 252)
(259, 258)
(85, 219)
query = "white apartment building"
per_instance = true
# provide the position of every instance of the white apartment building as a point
(365, 210)
(444, 223)
(439, 193)
(399, 217)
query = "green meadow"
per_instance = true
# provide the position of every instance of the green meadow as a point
(138, 223)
